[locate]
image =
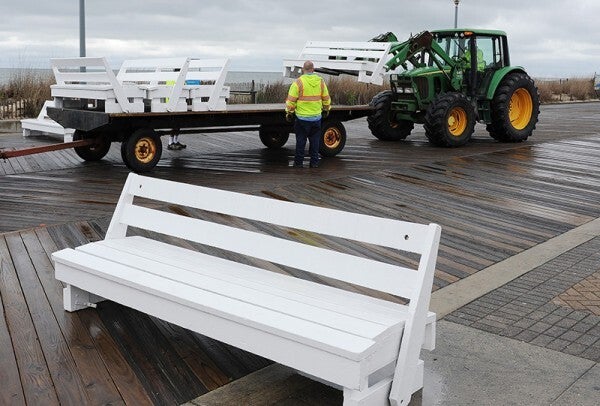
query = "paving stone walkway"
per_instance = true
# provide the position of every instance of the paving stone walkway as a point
(553, 306)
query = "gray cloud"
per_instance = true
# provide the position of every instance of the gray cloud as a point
(550, 38)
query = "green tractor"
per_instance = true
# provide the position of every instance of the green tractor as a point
(449, 80)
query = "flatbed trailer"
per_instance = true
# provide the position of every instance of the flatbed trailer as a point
(139, 133)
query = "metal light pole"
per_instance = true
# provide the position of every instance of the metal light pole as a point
(81, 27)
(455, 13)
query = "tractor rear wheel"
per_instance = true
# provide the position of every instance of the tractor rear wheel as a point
(515, 108)
(382, 123)
(450, 120)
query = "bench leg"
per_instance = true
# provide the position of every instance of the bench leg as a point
(76, 299)
(374, 395)
(378, 394)
(429, 338)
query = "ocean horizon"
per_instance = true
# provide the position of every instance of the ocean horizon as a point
(232, 76)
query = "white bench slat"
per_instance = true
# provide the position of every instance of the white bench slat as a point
(316, 335)
(202, 278)
(335, 369)
(348, 268)
(366, 307)
(386, 232)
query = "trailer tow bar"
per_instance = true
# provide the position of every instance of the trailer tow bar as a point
(46, 148)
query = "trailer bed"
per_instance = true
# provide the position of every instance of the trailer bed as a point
(139, 133)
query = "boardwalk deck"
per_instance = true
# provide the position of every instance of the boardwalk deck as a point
(493, 200)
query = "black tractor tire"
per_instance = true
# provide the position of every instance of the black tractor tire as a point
(382, 123)
(333, 138)
(273, 138)
(450, 120)
(515, 108)
(142, 150)
(94, 152)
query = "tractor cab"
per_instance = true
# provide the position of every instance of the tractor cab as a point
(478, 53)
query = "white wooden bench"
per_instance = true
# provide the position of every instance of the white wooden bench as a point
(45, 125)
(368, 346)
(205, 82)
(162, 80)
(92, 79)
(364, 59)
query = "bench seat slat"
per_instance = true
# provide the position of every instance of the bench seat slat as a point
(348, 268)
(358, 305)
(207, 279)
(306, 332)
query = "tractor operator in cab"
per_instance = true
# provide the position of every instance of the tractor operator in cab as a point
(308, 98)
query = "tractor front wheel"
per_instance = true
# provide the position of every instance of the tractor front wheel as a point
(450, 120)
(141, 151)
(515, 109)
(382, 122)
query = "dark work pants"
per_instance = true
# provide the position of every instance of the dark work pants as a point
(304, 130)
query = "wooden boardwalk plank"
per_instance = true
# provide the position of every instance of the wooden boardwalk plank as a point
(66, 379)
(12, 390)
(98, 384)
(493, 200)
(129, 387)
(38, 387)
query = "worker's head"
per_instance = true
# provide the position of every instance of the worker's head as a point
(308, 67)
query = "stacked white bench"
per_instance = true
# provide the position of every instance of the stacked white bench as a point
(364, 59)
(368, 346)
(166, 84)
(89, 78)
(43, 124)
(179, 84)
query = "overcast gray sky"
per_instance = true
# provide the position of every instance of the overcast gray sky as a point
(550, 38)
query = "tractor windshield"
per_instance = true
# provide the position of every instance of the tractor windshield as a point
(491, 49)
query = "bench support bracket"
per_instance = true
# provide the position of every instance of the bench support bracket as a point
(76, 299)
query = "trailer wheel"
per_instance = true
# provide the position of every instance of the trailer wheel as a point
(450, 120)
(333, 138)
(94, 152)
(141, 151)
(515, 109)
(382, 123)
(273, 138)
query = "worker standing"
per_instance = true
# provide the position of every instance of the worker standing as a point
(308, 98)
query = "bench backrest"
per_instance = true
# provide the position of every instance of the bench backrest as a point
(393, 279)
(153, 72)
(364, 59)
(210, 75)
(89, 71)
(167, 73)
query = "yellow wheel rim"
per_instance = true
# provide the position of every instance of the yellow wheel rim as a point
(457, 121)
(145, 150)
(520, 109)
(332, 137)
